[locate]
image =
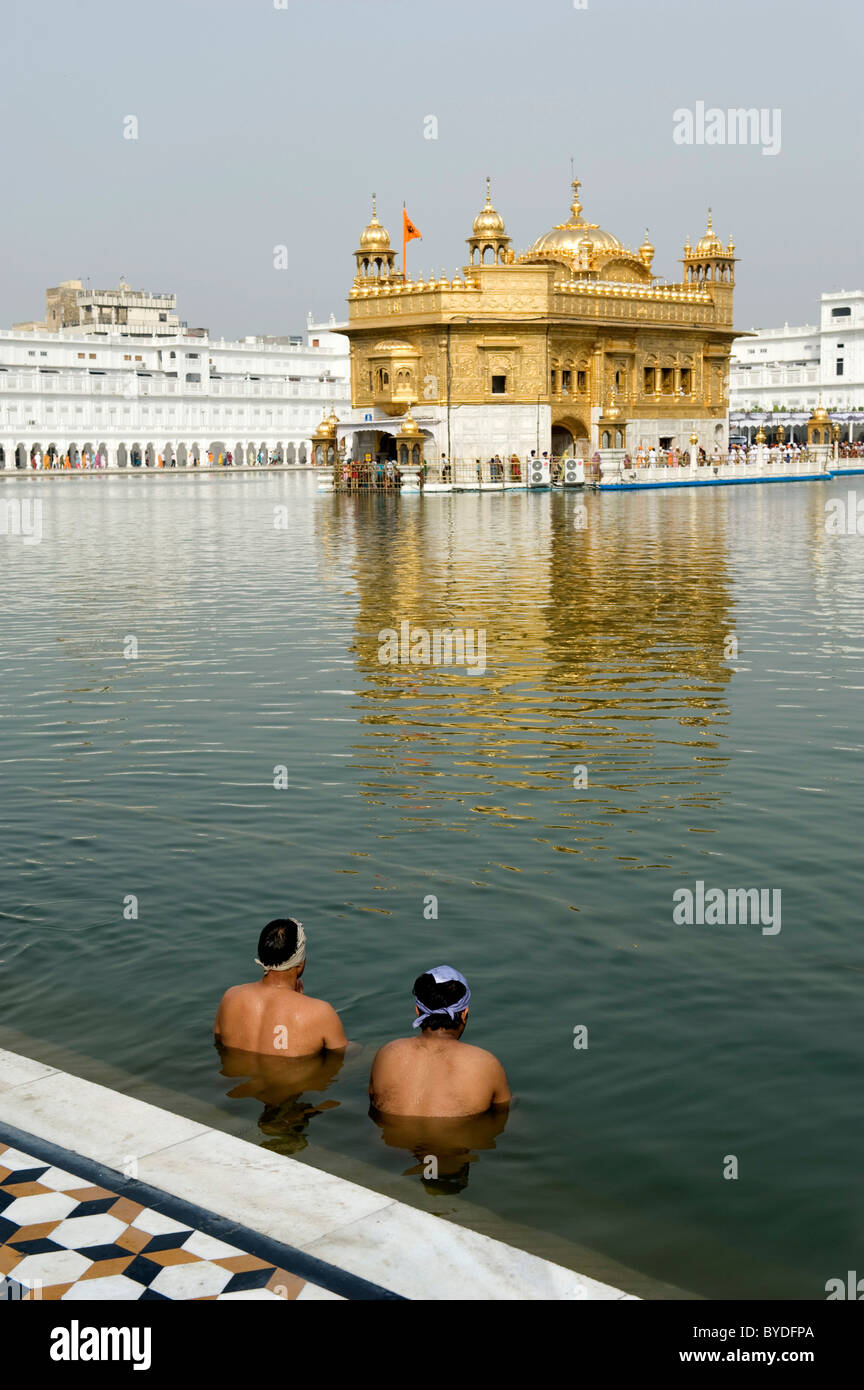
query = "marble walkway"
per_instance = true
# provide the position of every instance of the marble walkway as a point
(103, 1196)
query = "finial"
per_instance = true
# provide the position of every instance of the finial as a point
(374, 207)
(488, 191)
(710, 223)
(576, 206)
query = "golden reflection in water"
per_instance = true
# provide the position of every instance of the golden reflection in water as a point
(443, 1149)
(280, 1083)
(606, 642)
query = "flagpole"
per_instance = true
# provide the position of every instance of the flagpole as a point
(404, 248)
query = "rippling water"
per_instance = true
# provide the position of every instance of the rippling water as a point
(256, 607)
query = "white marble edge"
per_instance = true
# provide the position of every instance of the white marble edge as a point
(358, 1230)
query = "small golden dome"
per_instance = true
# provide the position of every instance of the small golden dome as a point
(646, 250)
(375, 237)
(488, 222)
(612, 412)
(820, 413)
(710, 244)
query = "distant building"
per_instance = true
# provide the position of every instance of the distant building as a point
(121, 310)
(783, 372)
(113, 388)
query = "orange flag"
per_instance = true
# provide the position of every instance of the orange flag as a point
(409, 233)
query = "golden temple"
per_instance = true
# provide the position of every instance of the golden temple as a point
(575, 345)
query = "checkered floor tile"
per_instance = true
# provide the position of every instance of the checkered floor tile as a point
(61, 1238)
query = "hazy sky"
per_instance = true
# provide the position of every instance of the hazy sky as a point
(261, 126)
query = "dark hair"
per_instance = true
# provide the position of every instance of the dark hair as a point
(428, 991)
(278, 941)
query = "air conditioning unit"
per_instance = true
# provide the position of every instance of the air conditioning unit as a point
(538, 472)
(574, 472)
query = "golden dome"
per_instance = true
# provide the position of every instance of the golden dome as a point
(820, 413)
(375, 237)
(566, 239)
(710, 244)
(488, 222)
(646, 250)
(409, 424)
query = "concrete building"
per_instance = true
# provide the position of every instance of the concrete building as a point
(121, 310)
(138, 397)
(779, 374)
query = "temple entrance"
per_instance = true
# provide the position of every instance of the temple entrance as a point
(385, 448)
(570, 439)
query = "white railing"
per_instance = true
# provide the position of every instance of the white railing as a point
(658, 473)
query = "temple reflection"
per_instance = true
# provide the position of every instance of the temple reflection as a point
(606, 623)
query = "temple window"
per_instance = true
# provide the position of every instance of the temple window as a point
(686, 377)
(648, 380)
(581, 382)
(618, 376)
(666, 376)
(499, 386)
(553, 383)
(566, 377)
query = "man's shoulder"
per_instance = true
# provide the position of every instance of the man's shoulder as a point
(235, 991)
(312, 1006)
(480, 1055)
(395, 1045)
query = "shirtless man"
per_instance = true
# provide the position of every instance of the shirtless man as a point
(433, 1073)
(273, 1016)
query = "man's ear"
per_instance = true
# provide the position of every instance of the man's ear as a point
(417, 1010)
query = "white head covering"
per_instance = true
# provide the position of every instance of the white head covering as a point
(440, 974)
(298, 957)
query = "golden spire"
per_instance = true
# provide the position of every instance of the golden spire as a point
(488, 222)
(576, 206)
(375, 237)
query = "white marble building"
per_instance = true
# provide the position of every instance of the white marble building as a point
(144, 396)
(786, 370)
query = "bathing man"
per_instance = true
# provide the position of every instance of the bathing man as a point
(273, 1015)
(433, 1073)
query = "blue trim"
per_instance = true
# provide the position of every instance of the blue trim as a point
(285, 1257)
(716, 482)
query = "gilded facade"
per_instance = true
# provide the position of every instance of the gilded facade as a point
(573, 345)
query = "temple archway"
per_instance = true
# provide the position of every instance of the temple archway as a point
(570, 438)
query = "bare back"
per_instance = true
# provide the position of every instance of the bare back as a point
(437, 1076)
(279, 1022)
